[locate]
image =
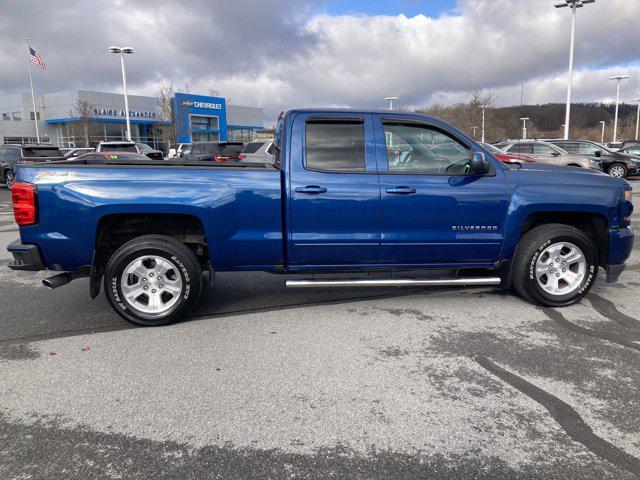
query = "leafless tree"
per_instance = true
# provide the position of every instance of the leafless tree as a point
(171, 118)
(84, 130)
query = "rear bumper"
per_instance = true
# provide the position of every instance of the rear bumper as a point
(25, 257)
(620, 246)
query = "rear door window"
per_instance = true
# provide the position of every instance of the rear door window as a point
(521, 148)
(228, 150)
(540, 149)
(335, 146)
(41, 152)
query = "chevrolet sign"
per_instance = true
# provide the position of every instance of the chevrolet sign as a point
(209, 105)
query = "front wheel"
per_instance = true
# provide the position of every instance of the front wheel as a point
(555, 265)
(153, 280)
(618, 170)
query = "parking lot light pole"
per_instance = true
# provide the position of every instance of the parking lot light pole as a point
(603, 123)
(391, 100)
(574, 4)
(482, 130)
(618, 79)
(524, 127)
(122, 51)
(637, 116)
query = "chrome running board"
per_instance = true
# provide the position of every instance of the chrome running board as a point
(393, 282)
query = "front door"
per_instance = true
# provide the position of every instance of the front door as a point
(334, 191)
(434, 210)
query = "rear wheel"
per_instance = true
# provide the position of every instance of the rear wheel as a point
(555, 265)
(9, 178)
(618, 170)
(153, 280)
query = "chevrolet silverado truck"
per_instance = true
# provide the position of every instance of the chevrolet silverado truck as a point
(353, 198)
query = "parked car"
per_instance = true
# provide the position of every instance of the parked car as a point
(74, 152)
(11, 155)
(175, 152)
(334, 201)
(632, 150)
(258, 151)
(112, 156)
(614, 146)
(505, 156)
(545, 152)
(212, 151)
(615, 164)
(130, 147)
(629, 143)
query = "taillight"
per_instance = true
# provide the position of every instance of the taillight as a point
(241, 157)
(25, 203)
(220, 159)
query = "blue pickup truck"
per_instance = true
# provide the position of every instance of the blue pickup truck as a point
(353, 192)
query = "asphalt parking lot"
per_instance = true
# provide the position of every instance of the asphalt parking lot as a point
(265, 382)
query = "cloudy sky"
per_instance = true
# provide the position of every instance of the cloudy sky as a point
(287, 53)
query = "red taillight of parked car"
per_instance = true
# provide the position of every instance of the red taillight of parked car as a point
(241, 157)
(220, 159)
(514, 158)
(25, 203)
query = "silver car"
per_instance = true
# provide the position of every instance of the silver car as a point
(258, 151)
(545, 152)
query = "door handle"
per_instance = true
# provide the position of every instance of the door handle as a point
(401, 190)
(311, 189)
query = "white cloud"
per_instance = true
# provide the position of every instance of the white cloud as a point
(252, 52)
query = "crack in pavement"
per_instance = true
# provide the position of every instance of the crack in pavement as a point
(558, 317)
(568, 419)
(607, 308)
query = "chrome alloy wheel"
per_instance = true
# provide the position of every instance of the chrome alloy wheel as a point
(617, 171)
(561, 268)
(151, 284)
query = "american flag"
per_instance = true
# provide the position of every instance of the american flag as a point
(35, 58)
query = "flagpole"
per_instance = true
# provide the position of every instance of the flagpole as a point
(33, 95)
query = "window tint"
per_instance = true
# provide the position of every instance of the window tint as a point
(41, 152)
(570, 147)
(588, 149)
(118, 148)
(521, 148)
(12, 153)
(252, 147)
(540, 149)
(271, 149)
(633, 150)
(423, 149)
(226, 149)
(208, 148)
(335, 146)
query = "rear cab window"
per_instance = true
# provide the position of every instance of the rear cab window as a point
(41, 152)
(336, 146)
(119, 148)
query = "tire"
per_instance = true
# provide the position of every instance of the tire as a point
(147, 258)
(9, 178)
(618, 170)
(536, 274)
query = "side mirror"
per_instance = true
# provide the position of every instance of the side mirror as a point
(479, 163)
(598, 153)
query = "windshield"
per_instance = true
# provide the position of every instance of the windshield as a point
(41, 152)
(493, 149)
(252, 147)
(144, 147)
(123, 147)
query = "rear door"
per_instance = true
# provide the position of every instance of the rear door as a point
(433, 209)
(334, 210)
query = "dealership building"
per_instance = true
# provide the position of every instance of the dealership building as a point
(67, 118)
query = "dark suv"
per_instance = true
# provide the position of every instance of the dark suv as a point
(615, 164)
(12, 154)
(214, 151)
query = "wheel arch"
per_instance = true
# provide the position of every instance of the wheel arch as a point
(114, 230)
